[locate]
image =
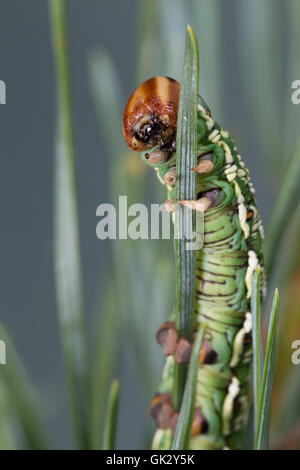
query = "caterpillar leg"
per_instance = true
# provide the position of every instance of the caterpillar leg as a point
(201, 205)
(165, 417)
(204, 165)
(181, 348)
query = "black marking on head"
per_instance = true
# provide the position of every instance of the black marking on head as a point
(150, 131)
(171, 79)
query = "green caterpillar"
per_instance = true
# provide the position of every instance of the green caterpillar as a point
(232, 250)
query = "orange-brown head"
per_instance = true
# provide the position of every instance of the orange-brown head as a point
(150, 116)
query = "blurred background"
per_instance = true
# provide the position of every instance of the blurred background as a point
(249, 56)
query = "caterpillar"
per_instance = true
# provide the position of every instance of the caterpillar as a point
(225, 265)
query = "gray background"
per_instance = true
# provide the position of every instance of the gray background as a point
(27, 299)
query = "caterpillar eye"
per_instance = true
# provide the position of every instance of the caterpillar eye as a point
(150, 116)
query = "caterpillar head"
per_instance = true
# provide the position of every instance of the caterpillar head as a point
(150, 116)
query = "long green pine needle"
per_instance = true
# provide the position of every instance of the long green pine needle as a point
(261, 440)
(257, 345)
(186, 415)
(288, 198)
(25, 407)
(186, 190)
(111, 418)
(107, 96)
(67, 253)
